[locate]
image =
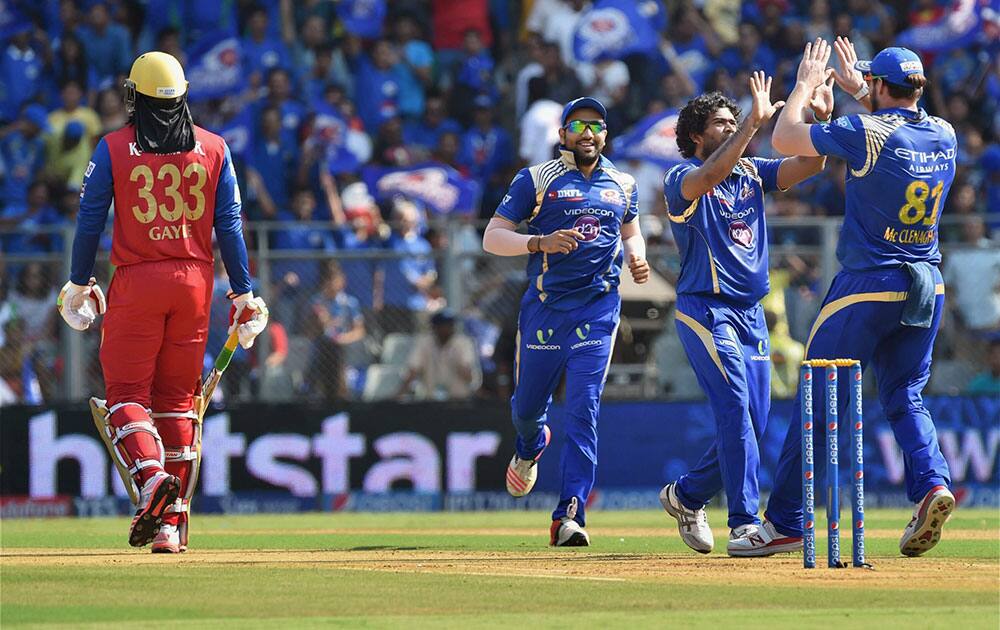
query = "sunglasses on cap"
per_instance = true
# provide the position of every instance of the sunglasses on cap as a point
(578, 126)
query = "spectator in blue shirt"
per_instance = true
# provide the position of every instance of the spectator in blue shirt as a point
(410, 278)
(35, 213)
(695, 44)
(474, 75)
(300, 275)
(20, 72)
(749, 53)
(377, 90)
(329, 69)
(337, 323)
(270, 165)
(416, 52)
(204, 18)
(22, 153)
(107, 45)
(262, 50)
(426, 132)
(488, 152)
(279, 96)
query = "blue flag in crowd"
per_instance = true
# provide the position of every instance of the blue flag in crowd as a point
(956, 28)
(439, 187)
(238, 132)
(329, 133)
(652, 139)
(614, 29)
(362, 17)
(215, 67)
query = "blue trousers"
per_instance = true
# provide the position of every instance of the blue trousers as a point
(860, 320)
(578, 342)
(727, 345)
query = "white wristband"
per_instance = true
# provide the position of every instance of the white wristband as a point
(862, 92)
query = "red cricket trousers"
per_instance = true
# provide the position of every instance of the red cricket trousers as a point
(154, 333)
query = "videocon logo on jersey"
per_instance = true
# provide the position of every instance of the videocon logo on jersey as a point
(582, 332)
(544, 336)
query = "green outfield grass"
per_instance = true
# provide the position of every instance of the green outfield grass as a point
(480, 570)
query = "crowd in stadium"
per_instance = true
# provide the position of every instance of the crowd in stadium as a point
(307, 93)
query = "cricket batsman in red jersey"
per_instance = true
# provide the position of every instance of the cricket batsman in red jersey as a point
(172, 183)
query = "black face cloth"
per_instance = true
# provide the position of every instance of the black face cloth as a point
(162, 125)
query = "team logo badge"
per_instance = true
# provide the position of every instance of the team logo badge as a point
(741, 234)
(610, 195)
(589, 226)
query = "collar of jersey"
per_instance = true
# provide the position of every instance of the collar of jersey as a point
(570, 161)
(920, 114)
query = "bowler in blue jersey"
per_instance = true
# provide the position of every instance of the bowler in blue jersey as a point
(885, 305)
(581, 214)
(715, 203)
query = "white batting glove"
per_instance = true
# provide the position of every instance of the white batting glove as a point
(80, 304)
(248, 316)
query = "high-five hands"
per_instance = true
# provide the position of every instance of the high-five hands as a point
(760, 91)
(812, 69)
(849, 79)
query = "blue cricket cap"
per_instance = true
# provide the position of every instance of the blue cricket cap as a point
(580, 103)
(38, 115)
(892, 65)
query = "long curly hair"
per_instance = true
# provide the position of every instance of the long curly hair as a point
(695, 115)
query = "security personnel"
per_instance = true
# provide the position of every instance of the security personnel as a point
(172, 183)
(582, 215)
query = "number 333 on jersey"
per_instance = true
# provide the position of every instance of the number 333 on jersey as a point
(165, 204)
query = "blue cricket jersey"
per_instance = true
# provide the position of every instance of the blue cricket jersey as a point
(900, 166)
(555, 195)
(721, 235)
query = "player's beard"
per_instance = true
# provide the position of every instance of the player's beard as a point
(586, 160)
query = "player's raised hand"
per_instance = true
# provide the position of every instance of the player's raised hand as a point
(760, 91)
(560, 241)
(812, 68)
(821, 100)
(639, 269)
(849, 79)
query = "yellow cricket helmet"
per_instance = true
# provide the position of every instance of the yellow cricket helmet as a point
(156, 74)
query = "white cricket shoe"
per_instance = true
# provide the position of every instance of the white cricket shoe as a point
(167, 540)
(522, 473)
(692, 524)
(929, 517)
(749, 541)
(567, 533)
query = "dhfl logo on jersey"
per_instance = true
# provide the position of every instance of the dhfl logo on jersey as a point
(566, 194)
(611, 195)
(589, 226)
(741, 234)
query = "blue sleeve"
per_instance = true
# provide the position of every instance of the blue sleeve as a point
(632, 209)
(768, 171)
(96, 195)
(229, 227)
(844, 137)
(519, 201)
(674, 199)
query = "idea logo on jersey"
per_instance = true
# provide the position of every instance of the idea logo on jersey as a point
(589, 226)
(741, 234)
